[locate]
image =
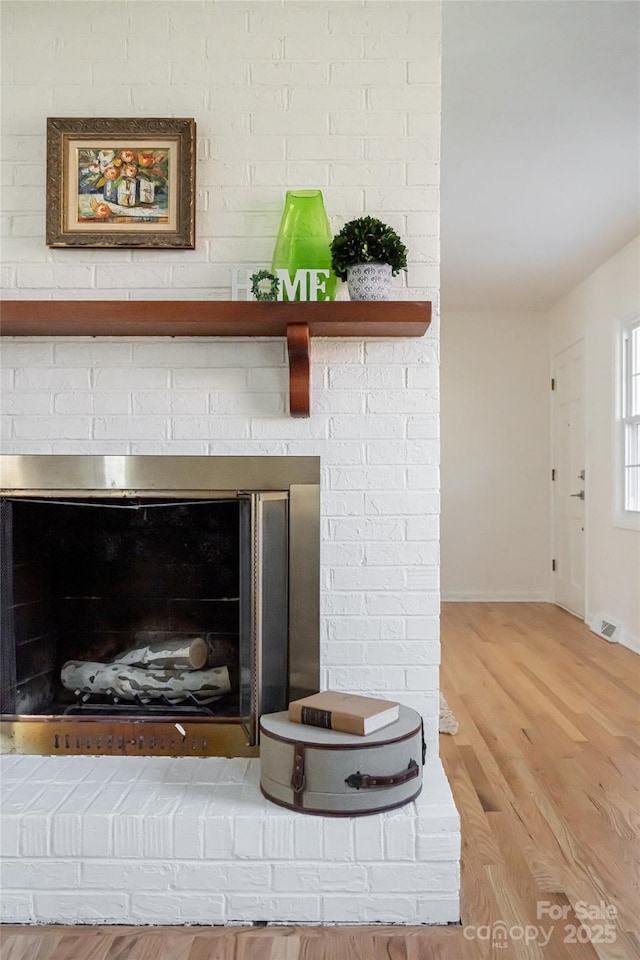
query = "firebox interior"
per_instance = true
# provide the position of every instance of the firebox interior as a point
(104, 557)
(92, 578)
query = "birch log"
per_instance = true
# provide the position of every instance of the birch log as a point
(146, 684)
(168, 654)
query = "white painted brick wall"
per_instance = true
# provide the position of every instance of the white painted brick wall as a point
(379, 504)
(343, 95)
(339, 95)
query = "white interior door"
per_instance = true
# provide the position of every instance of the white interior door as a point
(569, 486)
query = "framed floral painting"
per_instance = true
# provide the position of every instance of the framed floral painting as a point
(120, 182)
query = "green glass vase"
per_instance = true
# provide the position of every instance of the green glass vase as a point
(303, 243)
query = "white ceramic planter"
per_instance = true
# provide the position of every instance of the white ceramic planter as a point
(369, 281)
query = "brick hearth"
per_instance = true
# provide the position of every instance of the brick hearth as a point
(159, 840)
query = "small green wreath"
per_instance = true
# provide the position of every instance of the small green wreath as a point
(259, 292)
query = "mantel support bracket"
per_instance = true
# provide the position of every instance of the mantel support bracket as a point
(298, 342)
(221, 318)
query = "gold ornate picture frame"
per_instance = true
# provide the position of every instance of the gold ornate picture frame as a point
(120, 182)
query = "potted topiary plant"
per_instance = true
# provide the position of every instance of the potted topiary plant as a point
(367, 254)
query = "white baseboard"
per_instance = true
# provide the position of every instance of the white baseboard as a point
(630, 641)
(627, 639)
(494, 596)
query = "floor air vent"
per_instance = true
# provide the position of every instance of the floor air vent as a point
(606, 628)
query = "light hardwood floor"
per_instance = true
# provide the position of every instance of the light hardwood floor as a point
(545, 771)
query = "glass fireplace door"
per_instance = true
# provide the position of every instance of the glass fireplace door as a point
(161, 616)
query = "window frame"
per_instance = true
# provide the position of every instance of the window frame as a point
(626, 516)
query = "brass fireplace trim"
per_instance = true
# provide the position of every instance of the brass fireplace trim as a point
(48, 736)
(192, 477)
(119, 476)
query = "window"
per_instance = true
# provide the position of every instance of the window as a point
(630, 408)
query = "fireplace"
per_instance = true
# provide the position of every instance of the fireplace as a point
(108, 558)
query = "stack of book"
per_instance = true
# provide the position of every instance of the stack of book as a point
(346, 712)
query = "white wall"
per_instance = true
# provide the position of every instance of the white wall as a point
(495, 456)
(594, 311)
(340, 96)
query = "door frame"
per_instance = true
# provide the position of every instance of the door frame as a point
(581, 340)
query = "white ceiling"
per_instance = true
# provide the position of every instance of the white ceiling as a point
(540, 146)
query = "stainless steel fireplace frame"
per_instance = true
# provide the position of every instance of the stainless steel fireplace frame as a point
(261, 479)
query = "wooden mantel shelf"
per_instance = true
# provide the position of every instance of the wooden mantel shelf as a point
(220, 318)
(210, 318)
